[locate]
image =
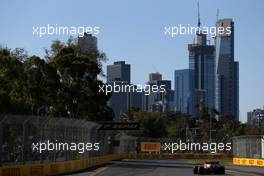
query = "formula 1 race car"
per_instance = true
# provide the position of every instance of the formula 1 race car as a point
(209, 167)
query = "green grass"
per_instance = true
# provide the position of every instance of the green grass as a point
(201, 161)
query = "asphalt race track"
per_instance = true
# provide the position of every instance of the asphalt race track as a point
(150, 168)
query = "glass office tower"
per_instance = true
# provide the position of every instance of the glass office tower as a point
(182, 94)
(226, 72)
(201, 62)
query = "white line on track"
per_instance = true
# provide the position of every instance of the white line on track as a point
(98, 171)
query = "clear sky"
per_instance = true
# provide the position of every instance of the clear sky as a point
(134, 31)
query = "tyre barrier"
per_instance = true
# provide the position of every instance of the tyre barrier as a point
(58, 167)
(248, 162)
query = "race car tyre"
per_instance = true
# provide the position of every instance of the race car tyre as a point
(195, 170)
(222, 170)
(201, 171)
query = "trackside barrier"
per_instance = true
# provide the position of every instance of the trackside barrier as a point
(179, 156)
(57, 168)
(248, 162)
(150, 146)
(77, 165)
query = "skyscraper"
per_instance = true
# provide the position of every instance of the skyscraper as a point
(159, 101)
(256, 117)
(166, 96)
(201, 62)
(226, 71)
(121, 102)
(155, 76)
(182, 93)
(119, 74)
(87, 41)
(119, 71)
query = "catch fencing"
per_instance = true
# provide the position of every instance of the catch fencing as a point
(248, 150)
(19, 133)
(251, 146)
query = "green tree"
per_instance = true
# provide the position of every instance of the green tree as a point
(65, 85)
(151, 124)
(11, 70)
(78, 95)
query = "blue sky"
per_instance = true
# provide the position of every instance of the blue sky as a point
(134, 31)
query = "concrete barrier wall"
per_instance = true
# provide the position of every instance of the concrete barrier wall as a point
(248, 162)
(57, 168)
(77, 165)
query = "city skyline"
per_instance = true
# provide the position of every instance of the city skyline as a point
(139, 40)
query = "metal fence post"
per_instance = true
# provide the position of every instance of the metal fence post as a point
(42, 126)
(24, 137)
(1, 143)
(1, 139)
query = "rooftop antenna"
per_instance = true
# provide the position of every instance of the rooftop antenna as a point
(217, 17)
(217, 14)
(154, 68)
(199, 21)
